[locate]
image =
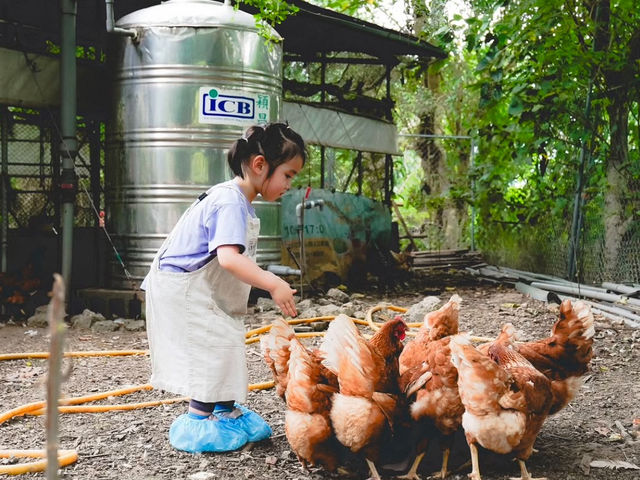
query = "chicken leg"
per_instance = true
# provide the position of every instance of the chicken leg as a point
(374, 471)
(525, 475)
(475, 467)
(445, 463)
(411, 474)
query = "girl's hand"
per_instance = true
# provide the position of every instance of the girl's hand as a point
(282, 295)
(248, 271)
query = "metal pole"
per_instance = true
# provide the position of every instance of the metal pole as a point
(388, 160)
(360, 173)
(472, 158)
(576, 220)
(323, 73)
(69, 146)
(4, 185)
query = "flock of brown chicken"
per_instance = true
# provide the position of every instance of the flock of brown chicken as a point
(15, 288)
(367, 395)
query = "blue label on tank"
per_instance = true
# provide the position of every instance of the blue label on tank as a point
(218, 106)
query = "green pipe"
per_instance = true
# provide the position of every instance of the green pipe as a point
(69, 147)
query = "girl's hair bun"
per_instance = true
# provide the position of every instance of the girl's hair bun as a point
(277, 142)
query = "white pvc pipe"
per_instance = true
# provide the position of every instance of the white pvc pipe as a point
(586, 292)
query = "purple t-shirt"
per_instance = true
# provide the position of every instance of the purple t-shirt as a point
(218, 219)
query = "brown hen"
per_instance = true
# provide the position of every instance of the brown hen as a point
(363, 412)
(565, 355)
(307, 387)
(430, 382)
(275, 348)
(506, 399)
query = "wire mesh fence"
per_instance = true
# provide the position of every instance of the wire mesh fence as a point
(30, 140)
(604, 253)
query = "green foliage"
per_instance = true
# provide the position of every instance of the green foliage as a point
(536, 62)
(52, 48)
(270, 13)
(518, 79)
(82, 52)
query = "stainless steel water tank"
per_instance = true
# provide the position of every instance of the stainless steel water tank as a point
(197, 75)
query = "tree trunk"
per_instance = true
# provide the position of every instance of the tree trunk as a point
(615, 222)
(618, 83)
(449, 217)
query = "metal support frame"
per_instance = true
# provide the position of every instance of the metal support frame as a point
(388, 160)
(360, 173)
(94, 162)
(323, 73)
(69, 146)
(4, 185)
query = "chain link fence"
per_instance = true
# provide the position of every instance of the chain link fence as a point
(541, 248)
(544, 248)
(31, 139)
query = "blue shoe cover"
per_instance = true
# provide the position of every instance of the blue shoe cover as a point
(194, 434)
(250, 422)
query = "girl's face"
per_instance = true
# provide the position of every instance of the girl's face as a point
(277, 184)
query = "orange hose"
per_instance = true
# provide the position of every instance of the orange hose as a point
(251, 340)
(262, 385)
(65, 457)
(108, 408)
(376, 326)
(105, 353)
(22, 410)
(69, 405)
(327, 318)
(250, 335)
(27, 409)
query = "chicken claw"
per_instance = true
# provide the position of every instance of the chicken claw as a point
(411, 474)
(442, 474)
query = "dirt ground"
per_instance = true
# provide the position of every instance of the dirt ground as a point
(601, 424)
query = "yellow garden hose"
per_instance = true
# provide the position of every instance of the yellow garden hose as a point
(65, 457)
(102, 353)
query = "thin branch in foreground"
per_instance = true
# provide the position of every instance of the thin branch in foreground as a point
(55, 318)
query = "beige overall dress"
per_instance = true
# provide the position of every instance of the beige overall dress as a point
(196, 338)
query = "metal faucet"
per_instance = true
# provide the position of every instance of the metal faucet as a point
(306, 206)
(300, 208)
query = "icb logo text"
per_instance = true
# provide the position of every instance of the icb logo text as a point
(222, 106)
(217, 104)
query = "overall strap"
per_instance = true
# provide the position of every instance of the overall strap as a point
(167, 241)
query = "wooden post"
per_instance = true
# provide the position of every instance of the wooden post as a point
(404, 225)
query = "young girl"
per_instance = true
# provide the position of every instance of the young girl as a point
(199, 284)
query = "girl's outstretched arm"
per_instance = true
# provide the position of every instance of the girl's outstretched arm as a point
(245, 269)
